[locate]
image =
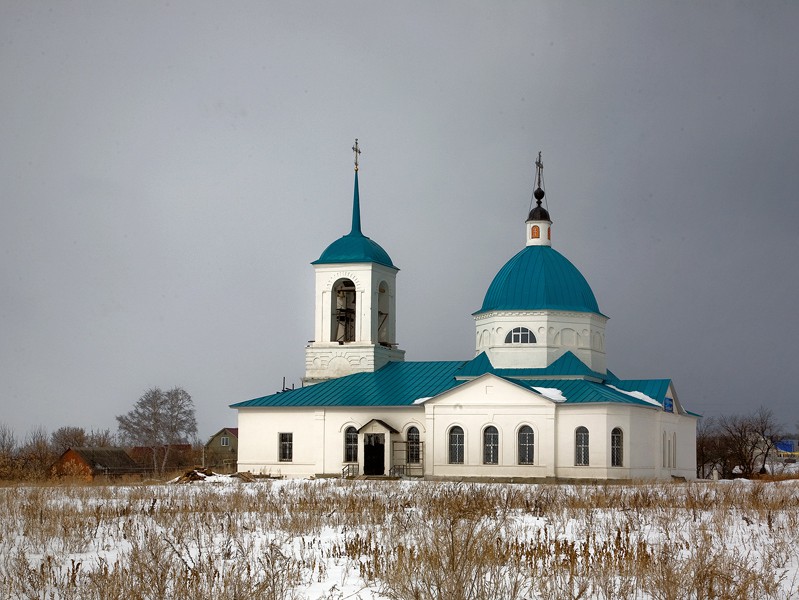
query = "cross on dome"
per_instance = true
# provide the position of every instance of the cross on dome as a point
(538, 225)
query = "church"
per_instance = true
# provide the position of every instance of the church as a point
(536, 401)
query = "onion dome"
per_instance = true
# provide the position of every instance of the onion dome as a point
(539, 278)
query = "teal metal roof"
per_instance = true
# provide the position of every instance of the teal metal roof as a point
(355, 247)
(580, 391)
(566, 365)
(404, 383)
(396, 384)
(654, 388)
(538, 278)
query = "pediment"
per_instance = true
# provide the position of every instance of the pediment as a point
(491, 389)
(377, 426)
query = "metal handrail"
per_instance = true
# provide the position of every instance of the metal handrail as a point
(349, 470)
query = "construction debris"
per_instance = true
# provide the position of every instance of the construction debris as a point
(208, 476)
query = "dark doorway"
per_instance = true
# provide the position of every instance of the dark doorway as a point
(374, 454)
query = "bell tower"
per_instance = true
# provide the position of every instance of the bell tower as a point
(355, 308)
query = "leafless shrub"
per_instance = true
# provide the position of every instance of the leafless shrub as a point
(410, 540)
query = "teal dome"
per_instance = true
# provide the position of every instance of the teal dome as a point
(539, 278)
(354, 248)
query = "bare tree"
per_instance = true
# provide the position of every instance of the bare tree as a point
(8, 449)
(708, 448)
(768, 431)
(102, 438)
(740, 441)
(35, 456)
(64, 438)
(158, 420)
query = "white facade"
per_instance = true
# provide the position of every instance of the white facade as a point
(655, 444)
(556, 333)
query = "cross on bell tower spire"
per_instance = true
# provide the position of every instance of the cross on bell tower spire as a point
(357, 152)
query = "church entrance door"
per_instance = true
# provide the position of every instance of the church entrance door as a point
(374, 454)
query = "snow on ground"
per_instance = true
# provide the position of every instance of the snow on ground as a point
(332, 539)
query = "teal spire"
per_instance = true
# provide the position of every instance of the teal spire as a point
(356, 208)
(355, 247)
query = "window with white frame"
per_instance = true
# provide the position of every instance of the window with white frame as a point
(456, 445)
(674, 450)
(581, 447)
(520, 335)
(285, 447)
(414, 447)
(526, 444)
(224, 441)
(616, 447)
(351, 445)
(490, 445)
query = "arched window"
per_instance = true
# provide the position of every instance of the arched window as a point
(581, 447)
(351, 445)
(490, 445)
(382, 313)
(526, 445)
(520, 335)
(616, 448)
(456, 446)
(342, 321)
(535, 233)
(414, 456)
(674, 450)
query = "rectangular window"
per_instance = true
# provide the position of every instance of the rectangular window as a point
(224, 441)
(286, 450)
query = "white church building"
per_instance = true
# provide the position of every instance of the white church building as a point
(536, 400)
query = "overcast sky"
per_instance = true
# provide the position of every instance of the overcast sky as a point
(169, 170)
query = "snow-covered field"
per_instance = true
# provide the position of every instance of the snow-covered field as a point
(404, 539)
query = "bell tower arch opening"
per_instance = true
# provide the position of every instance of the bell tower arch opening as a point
(383, 317)
(344, 314)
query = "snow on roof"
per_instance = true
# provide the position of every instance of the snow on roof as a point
(638, 395)
(552, 393)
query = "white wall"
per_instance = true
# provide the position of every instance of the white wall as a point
(318, 435)
(490, 400)
(326, 359)
(556, 333)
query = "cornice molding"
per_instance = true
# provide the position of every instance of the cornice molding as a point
(536, 313)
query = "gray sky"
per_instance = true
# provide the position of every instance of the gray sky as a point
(169, 171)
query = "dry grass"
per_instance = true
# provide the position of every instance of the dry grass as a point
(409, 540)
